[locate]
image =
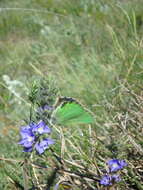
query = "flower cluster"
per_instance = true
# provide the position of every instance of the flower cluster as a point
(111, 177)
(31, 137)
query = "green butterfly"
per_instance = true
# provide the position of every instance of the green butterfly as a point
(68, 111)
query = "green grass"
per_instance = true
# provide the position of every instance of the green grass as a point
(93, 51)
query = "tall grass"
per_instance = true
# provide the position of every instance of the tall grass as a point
(93, 50)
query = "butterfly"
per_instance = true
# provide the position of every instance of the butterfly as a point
(69, 111)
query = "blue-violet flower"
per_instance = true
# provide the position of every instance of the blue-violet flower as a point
(108, 179)
(43, 145)
(28, 136)
(41, 128)
(115, 165)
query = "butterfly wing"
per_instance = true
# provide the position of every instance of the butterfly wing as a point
(71, 112)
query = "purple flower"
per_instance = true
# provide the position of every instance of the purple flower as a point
(115, 165)
(116, 178)
(27, 135)
(41, 128)
(43, 145)
(30, 137)
(46, 107)
(28, 149)
(27, 140)
(107, 179)
(24, 131)
(123, 163)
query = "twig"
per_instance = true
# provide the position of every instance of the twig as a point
(34, 173)
(25, 176)
(10, 160)
(91, 177)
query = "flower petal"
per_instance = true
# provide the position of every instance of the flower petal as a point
(106, 180)
(115, 165)
(41, 128)
(43, 145)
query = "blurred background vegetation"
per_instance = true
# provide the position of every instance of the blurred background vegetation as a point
(93, 49)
